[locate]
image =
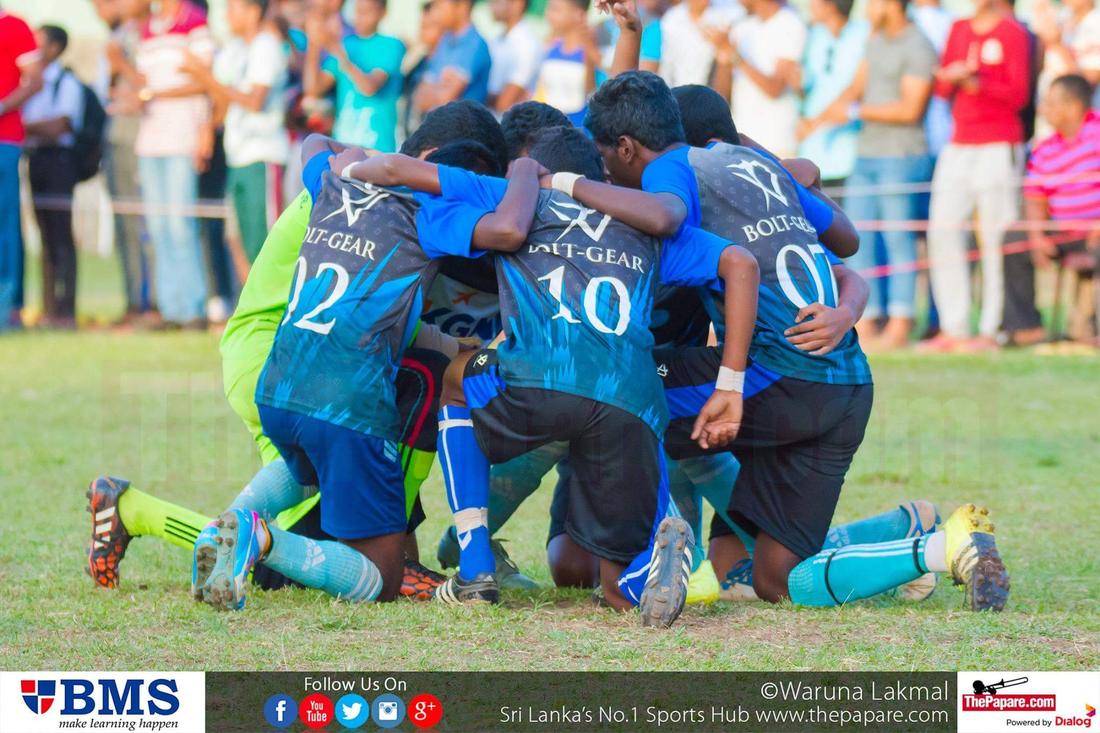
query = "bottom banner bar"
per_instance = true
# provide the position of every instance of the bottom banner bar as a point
(567, 702)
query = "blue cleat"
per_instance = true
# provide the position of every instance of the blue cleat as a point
(203, 558)
(240, 535)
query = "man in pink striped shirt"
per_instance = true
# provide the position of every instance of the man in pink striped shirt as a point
(1062, 186)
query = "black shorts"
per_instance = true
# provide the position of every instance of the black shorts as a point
(616, 462)
(795, 445)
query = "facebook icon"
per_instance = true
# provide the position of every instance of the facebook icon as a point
(280, 711)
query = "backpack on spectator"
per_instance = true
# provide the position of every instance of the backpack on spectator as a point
(88, 145)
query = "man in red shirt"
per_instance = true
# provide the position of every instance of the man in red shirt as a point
(986, 74)
(20, 78)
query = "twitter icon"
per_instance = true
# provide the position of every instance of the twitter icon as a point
(352, 711)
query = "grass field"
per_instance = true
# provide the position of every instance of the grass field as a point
(1018, 432)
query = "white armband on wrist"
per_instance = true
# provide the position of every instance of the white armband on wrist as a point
(730, 380)
(346, 173)
(565, 182)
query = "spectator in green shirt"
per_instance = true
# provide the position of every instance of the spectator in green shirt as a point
(365, 68)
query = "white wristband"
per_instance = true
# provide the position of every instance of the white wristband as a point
(346, 173)
(729, 380)
(564, 182)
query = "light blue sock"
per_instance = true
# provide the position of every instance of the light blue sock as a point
(688, 505)
(885, 527)
(713, 477)
(512, 482)
(272, 490)
(632, 580)
(330, 566)
(466, 477)
(837, 576)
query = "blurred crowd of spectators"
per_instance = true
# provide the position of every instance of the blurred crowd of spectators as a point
(968, 124)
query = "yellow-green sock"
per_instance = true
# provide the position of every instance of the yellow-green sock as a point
(145, 515)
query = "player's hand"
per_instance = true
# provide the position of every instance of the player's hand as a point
(804, 170)
(468, 343)
(719, 421)
(820, 328)
(624, 12)
(526, 166)
(346, 157)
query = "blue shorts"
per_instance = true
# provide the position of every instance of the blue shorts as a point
(362, 485)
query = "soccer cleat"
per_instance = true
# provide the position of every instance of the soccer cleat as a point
(419, 582)
(973, 558)
(703, 587)
(238, 540)
(923, 517)
(508, 574)
(669, 570)
(737, 586)
(456, 591)
(109, 536)
(203, 558)
(917, 590)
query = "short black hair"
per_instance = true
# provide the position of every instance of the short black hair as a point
(261, 4)
(638, 104)
(469, 155)
(459, 120)
(56, 35)
(523, 121)
(584, 5)
(705, 115)
(1075, 86)
(566, 149)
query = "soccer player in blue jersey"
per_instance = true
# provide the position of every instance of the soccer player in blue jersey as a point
(326, 394)
(804, 412)
(576, 366)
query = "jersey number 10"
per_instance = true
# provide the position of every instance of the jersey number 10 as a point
(555, 283)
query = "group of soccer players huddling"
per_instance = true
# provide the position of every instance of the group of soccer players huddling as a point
(657, 309)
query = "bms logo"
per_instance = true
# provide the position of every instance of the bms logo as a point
(102, 696)
(579, 220)
(38, 694)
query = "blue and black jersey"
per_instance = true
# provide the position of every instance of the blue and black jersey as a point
(746, 197)
(576, 302)
(358, 289)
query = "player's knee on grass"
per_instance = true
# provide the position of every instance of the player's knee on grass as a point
(453, 392)
(609, 582)
(772, 563)
(724, 552)
(571, 566)
(388, 555)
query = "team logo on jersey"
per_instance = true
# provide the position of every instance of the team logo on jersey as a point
(353, 208)
(579, 220)
(662, 370)
(761, 176)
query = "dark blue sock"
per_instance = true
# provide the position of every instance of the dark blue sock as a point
(466, 477)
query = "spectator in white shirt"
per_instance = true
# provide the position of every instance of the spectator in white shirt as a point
(247, 85)
(51, 117)
(768, 48)
(687, 50)
(516, 54)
